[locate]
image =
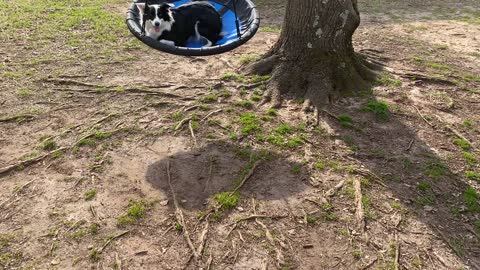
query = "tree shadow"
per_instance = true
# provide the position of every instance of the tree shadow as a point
(198, 175)
(415, 173)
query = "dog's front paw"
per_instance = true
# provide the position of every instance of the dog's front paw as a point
(168, 42)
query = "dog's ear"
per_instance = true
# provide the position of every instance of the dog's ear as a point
(165, 7)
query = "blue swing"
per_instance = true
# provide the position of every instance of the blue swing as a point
(240, 24)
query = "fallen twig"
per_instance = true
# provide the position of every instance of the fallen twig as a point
(183, 121)
(16, 192)
(445, 239)
(370, 264)
(335, 189)
(192, 133)
(410, 145)
(359, 213)
(421, 115)
(370, 175)
(210, 114)
(203, 238)
(249, 174)
(27, 162)
(179, 216)
(111, 239)
(20, 117)
(397, 251)
(459, 135)
(253, 85)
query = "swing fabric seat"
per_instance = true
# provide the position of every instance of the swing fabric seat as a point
(244, 10)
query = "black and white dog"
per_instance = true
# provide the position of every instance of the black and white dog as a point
(197, 20)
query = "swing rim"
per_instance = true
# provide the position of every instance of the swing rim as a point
(136, 29)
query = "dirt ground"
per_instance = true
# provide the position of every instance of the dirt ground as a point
(98, 142)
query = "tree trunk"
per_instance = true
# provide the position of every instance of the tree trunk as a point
(314, 57)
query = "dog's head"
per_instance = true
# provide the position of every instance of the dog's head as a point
(160, 16)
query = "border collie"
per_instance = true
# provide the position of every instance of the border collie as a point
(198, 21)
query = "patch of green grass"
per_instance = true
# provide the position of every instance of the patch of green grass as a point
(467, 123)
(470, 77)
(424, 187)
(244, 104)
(296, 168)
(249, 58)
(345, 120)
(250, 123)
(462, 144)
(255, 98)
(379, 108)
(24, 92)
(477, 226)
(101, 135)
(135, 211)
(233, 77)
(57, 154)
(94, 255)
(320, 165)
(311, 219)
(470, 197)
(387, 80)
(12, 75)
(5, 240)
(86, 142)
(435, 169)
(294, 142)
(90, 194)
(93, 229)
(439, 66)
(270, 29)
(284, 129)
(177, 116)
(49, 145)
(330, 216)
(357, 254)
(227, 200)
(473, 175)
(210, 98)
(470, 158)
(258, 79)
(272, 112)
(178, 227)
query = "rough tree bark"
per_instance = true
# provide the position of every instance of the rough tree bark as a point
(314, 56)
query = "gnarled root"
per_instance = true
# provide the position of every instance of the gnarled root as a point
(315, 81)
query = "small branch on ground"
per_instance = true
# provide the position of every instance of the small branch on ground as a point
(460, 136)
(410, 145)
(335, 189)
(179, 216)
(111, 239)
(210, 114)
(249, 174)
(253, 85)
(423, 117)
(359, 213)
(118, 262)
(19, 117)
(27, 162)
(192, 133)
(370, 264)
(397, 251)
(365, 173)
(183, 121)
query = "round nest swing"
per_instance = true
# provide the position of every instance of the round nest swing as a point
(240, 24)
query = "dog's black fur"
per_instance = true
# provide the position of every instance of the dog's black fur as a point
(198, 19)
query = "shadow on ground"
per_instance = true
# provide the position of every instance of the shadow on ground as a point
(198, 175)
(415, 174)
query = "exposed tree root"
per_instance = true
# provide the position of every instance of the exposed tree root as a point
(180, 218)
(359, 213)
(27, 162)
(316, 80)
